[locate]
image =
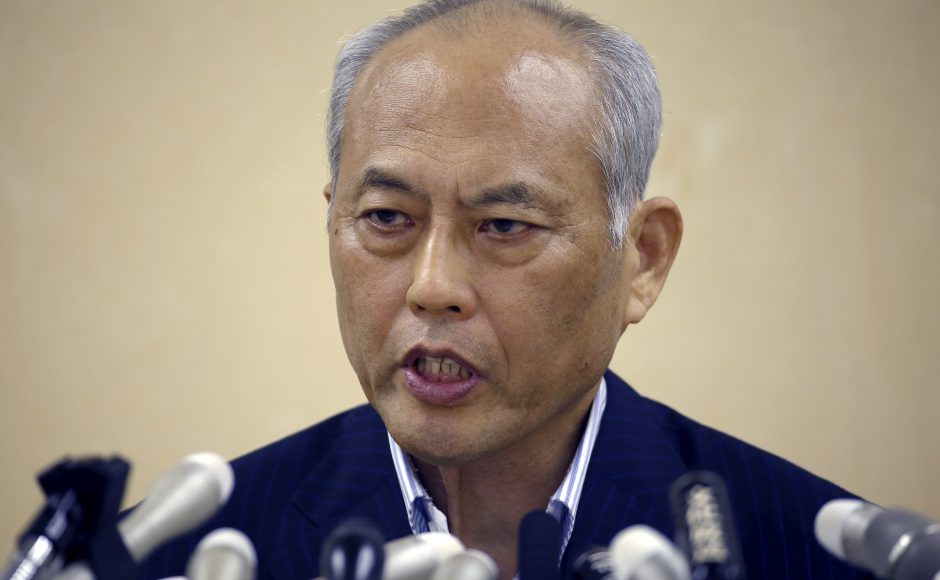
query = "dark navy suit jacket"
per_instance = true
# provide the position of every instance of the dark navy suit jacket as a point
(289, 495)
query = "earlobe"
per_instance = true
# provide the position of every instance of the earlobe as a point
(328, 191)
(652, 243)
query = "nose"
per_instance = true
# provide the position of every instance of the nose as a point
(440, 284)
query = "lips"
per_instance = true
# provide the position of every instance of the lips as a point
(439, 377)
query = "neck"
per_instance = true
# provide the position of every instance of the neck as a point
(484, 500)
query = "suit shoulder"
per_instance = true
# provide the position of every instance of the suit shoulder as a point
(265, 482)
(774, 501)
(296, 454)
(704, 447)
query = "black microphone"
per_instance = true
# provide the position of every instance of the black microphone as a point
(354, 550)
(181, 499)
(539, 547)
(890, 543)
(79, 521)
(704, 526)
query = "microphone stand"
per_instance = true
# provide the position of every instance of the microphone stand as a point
(78, 522)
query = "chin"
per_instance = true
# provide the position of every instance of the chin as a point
(442, 447)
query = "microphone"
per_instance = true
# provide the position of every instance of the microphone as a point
(353, 551)
(539, 546)
(78, 521)
(416, 557)
(641, 553)
(891, 543)
(594, 564)
(704, 526)
(183, 498)
(469, 565)
(225, 554)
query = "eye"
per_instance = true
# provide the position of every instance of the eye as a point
(504, 227)
(387, 219)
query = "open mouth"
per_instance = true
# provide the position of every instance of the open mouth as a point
(439, 377)
(442, 366)
(441, 369)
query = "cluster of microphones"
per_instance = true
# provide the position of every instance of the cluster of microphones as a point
(79, 535)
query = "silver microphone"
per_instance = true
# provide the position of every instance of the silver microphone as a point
(641, 553)
(225, 554)
(183, 498)
(469, 565)
(891, 543)
(416, 557)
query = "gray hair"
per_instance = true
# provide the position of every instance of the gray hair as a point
(626, 139)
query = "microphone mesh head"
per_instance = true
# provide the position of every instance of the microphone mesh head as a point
(219, 469)
(443, 544)
(830, 522)
(637, 546)
(229, 539)
(469, 565)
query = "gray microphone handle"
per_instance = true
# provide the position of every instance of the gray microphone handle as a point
(920, 559)
(879, 540)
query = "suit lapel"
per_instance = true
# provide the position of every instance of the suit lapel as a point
(632, 467)
(356, 478)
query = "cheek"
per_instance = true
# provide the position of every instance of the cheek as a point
(369, 293)
(556, 314)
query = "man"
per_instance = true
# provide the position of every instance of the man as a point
(490, 243)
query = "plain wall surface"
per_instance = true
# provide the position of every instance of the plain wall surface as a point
(164, 280)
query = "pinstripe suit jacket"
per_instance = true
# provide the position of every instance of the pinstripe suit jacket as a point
(289, 495)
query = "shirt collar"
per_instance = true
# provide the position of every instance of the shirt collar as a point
(423, 515)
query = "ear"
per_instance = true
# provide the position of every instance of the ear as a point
(650, 246)
(328, 191)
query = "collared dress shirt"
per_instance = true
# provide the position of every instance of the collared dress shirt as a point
(424, 516)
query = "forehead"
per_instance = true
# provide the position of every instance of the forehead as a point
(515, 90)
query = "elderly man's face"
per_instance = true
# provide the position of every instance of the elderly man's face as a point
(479, 297)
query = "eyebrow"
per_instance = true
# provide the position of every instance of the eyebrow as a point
(375, 177)
(515, 193)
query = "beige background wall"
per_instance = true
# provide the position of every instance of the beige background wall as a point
(164, 285)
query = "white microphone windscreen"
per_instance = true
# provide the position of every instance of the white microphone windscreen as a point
(416, 557)
(469, 565)
(639, 547)
(224, 554)
(830, 522)
(183, 498)
(220, 469)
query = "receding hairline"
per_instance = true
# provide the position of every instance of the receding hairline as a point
(472, 18)
(470, 23)
(488, 16)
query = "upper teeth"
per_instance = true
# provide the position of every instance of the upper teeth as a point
(433, 366)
